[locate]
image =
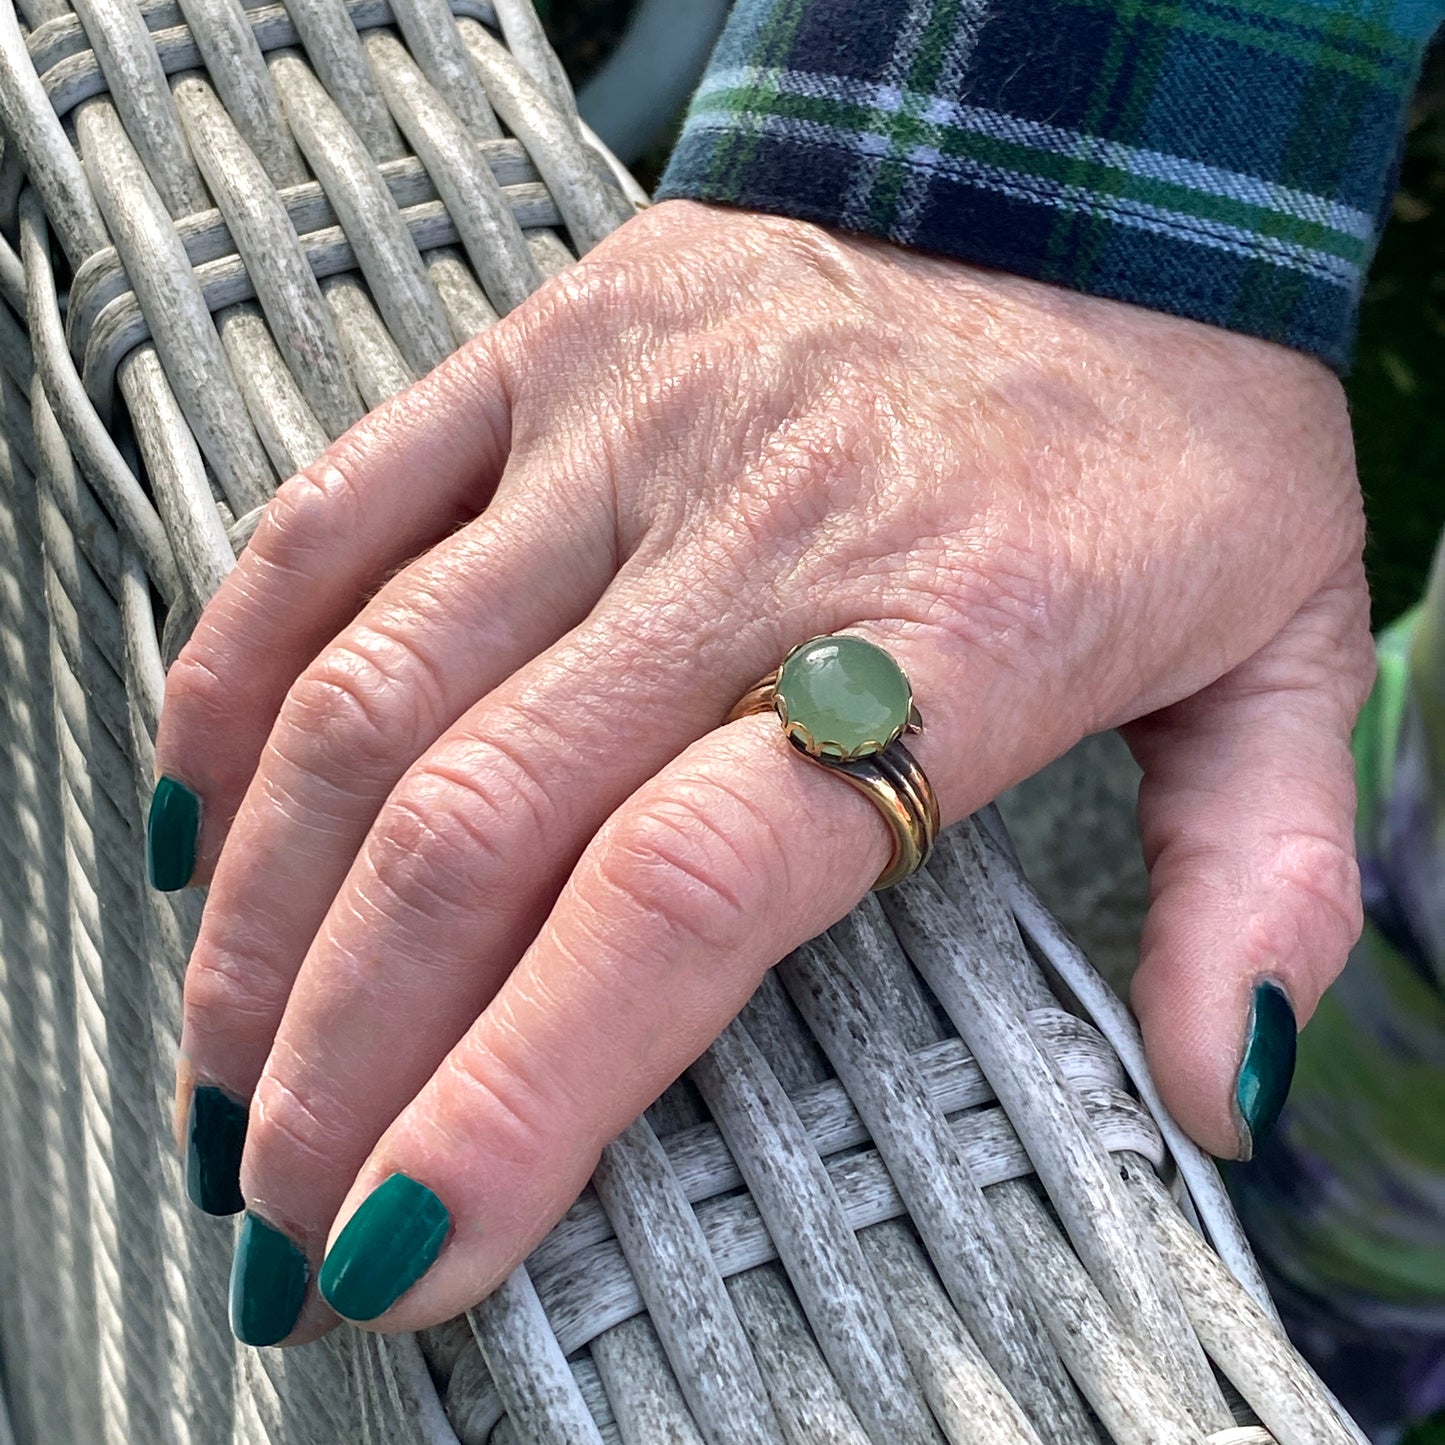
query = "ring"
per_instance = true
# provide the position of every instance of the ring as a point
(845, 704)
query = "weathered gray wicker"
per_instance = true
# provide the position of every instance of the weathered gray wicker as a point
(909, 1196)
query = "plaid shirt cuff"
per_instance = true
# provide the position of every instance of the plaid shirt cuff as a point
(1226, 160)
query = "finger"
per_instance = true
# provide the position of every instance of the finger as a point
(447, 630)
(674, 913)
(452, 884)
(715, 868)
(386, 490)
(1246, 809)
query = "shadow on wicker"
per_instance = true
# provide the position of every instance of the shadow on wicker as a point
(919, 1191)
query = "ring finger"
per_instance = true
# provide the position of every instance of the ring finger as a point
(447, 895)
(733, 854)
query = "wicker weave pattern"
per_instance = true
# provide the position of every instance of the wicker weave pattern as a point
(226, 234)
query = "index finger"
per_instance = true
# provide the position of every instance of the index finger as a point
(391, 487)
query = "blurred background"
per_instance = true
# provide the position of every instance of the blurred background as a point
(1397, 388)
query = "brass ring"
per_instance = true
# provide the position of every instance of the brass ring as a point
(882, 769)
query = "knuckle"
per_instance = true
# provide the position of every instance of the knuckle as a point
(1319, 880)
(450, 826)
(782, 501)
(1358, 674)
(659, 635)
(336, 709)
(994, 598)
(229, 991)
(358, 705)
(1330, 652)
(287, 1128)
(1325, 871)
(492, 1091)
(681, 866)
(198, 691)
(432, 848)
(307, 512)
(819, 254)
(587, 300)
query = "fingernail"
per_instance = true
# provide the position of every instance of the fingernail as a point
(215, 1137)
(171, 829)
(1268, 1064)
(387, 1245)
(268, 1283)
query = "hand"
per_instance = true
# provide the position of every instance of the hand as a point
(487, 872)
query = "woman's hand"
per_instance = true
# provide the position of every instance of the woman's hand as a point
(487, 871)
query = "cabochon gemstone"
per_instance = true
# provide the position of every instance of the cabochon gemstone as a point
(850, 696)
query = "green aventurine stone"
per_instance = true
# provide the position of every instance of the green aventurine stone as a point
(852, 698)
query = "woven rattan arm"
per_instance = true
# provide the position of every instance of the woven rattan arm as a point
(921, 1189)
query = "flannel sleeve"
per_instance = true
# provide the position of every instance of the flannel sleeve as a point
(1227, 160)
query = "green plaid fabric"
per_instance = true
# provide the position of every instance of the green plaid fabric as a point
(1227, 160)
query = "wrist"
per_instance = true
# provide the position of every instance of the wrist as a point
(1258, 215)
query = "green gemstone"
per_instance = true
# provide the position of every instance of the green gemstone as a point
(848, 696)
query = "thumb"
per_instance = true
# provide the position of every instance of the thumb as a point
(1246, 810)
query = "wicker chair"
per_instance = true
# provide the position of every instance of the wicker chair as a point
(920, 1190)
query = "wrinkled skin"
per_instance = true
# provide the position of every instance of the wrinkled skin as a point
(487, 871)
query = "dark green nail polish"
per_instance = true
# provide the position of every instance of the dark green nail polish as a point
(215, 1136)
(171, 829)
(268, 1284)
(1268, 1064)
(387, 1245)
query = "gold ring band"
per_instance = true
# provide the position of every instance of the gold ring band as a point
(890, 778)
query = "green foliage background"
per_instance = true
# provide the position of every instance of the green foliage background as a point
(1397, 388)
(1432, 1432)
